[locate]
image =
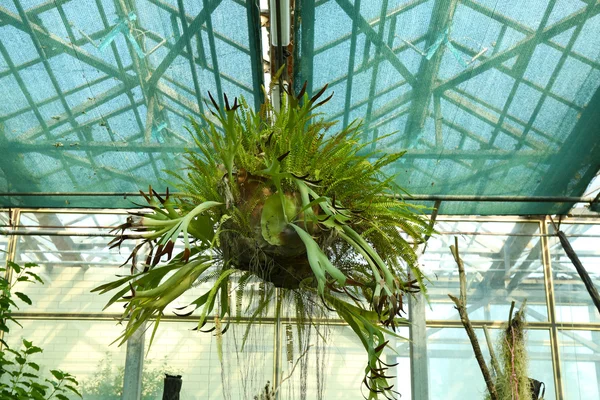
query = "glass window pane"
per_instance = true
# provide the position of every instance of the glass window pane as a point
(82, 222)
(71, 266)
(573, 302)
(81, 348)
(454, 373)
(503, 262)
(5, 224)
(194, 355)
(580, 363)
(342, 359)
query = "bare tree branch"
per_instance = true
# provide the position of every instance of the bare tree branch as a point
(461, 306)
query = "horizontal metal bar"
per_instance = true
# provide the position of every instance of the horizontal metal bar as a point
(174, 318)
(76, 231)
(48, 232)
(530, 325)
(71, 194)
(78, 227)
(325, 321)
(414, 197)
(514, 234)
(76, 52)
(75, 145)
(434, 153)
(497, 199)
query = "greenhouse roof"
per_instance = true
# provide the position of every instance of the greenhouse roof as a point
(488, 97)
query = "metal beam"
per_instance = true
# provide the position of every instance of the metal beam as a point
(355, 17)
(442, 16)
(366, 28)
(523, 60)
(188, 46)
(253, 21)
(193, 28)
(97, 147)
(414, 197)
(304, 48)
(458, 154)
(51, 99)
(491, 119)
(255, 44)
(547, 33)
(375, 71)
(400, 10)
(68, 48)
(45, 6)
(499, 199)
(83, 107)
(142, 71)
(546, 136)
(556, 72)
(520, 67)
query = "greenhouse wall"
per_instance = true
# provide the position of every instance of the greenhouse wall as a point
(506, 258)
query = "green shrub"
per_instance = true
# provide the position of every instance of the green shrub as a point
(19, 375)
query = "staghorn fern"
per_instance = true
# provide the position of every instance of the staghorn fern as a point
(281, 198)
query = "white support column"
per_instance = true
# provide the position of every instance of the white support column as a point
(418, 348)
(134, 365)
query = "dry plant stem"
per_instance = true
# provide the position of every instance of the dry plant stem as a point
(461, 306)
(513, 376)
(495, 363)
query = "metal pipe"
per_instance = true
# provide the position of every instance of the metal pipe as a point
(76, 231)
(49, 316)
(552, 317)
(279, 59)
(73, 194)
(47, 232)
(414, 197)
(496, 199)
(277, 343)
(11, 250)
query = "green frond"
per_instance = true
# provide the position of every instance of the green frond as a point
(288, 200)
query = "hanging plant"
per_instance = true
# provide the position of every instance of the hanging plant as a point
(279, 197)
(512, 381)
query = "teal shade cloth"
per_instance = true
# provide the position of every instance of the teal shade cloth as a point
(487, 97)
(97, 92)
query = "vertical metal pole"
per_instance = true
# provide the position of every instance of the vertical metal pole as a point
(276, 98)
(134, 365)
(550, 302)
(11, 250)
(279, 59)
(596, 340)
(418, 348)
(255, 41)
(277, 343)
(304, 44)
(11, 247)
(419, 376)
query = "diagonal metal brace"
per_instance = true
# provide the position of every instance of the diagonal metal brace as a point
(69, 48)
(583, 274)
(595, 204)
